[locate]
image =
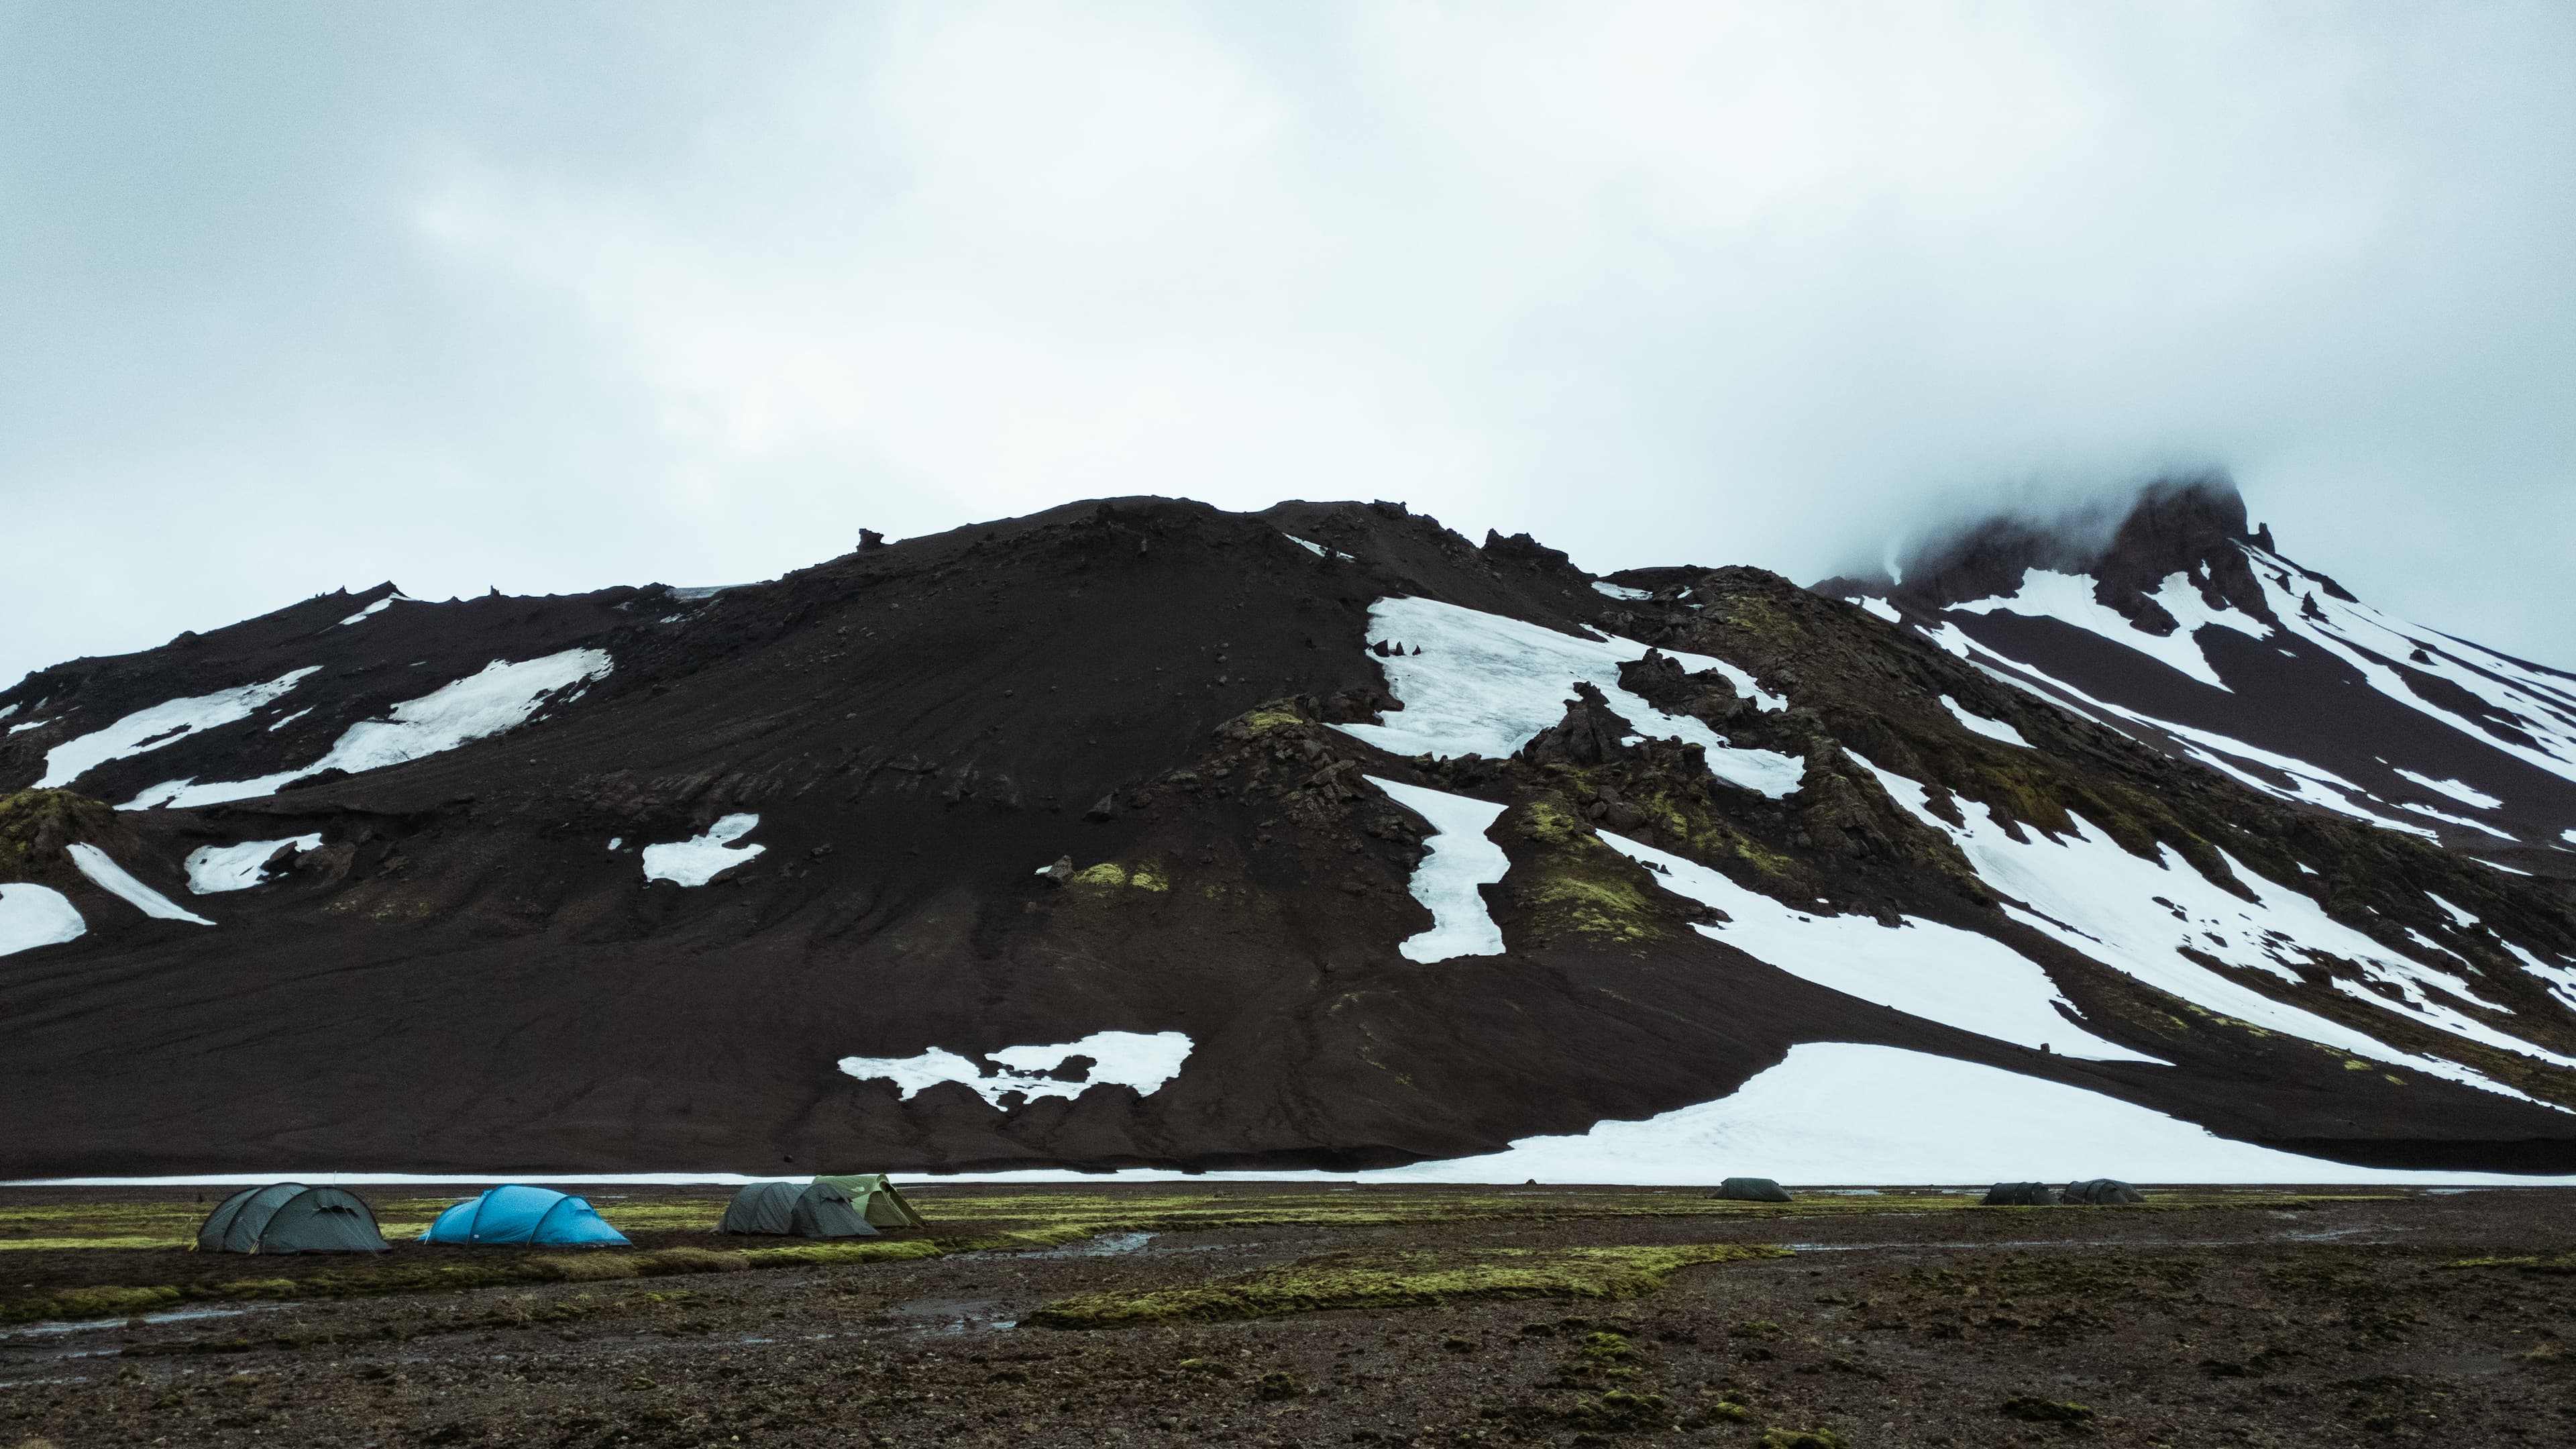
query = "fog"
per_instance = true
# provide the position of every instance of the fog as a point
(549, 298)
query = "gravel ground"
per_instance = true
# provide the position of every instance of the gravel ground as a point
(2248, 1321)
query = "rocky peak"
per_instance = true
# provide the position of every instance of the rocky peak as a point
(2193, 525)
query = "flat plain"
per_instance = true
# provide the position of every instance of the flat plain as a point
(1311, 1313)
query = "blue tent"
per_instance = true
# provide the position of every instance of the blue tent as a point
(516, 1214)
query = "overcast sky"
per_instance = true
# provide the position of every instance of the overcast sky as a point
(551, 297)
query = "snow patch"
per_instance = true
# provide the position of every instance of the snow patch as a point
(499, 698)
(163, 724)
(2068, 598)
(2137, 915)
(1619, 591)
(107, 875)
(214, 869)
(1484, 685)
(1883, 609)
(1316, 549)
(1993, 729)
(1923, 968)
(34, 915)
(2465, 794)
(1120, 1058)
(290, 719)
(2542, 703)
(1461, 859)
(378, 607)
(1845, 1112)
(696, 861)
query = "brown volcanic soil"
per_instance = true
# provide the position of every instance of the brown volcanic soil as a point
(2222, 1317)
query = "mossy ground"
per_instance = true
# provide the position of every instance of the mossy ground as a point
(1403, 1280)
(1532, 1316)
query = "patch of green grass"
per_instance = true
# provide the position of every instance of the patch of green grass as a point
(1399, 1280)
(130, 1242)
(2529, 1263)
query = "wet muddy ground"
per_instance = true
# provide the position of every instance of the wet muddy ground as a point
(2215, 1318)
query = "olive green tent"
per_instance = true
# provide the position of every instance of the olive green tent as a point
(876, 1199)
(796, 1210)
(288, 1217)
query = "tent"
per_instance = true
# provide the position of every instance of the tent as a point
(876, 1200)
(796, 1210)
(517, 1214)
(1750, 1189)
(2021, 1194)
(2102, 1192)
(288, 1217)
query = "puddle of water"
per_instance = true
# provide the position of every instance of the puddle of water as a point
(952, 1317)
(31, 1383)
(175, 1315)
(1107, 1245)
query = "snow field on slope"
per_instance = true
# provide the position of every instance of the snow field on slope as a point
(2309, 784)
(163, 724)
(33, 915)
(1460, 859)
(501, 697)
(378, 607)
(1120, 1058)
(214, 869)
(107, 875)
(2366, 639)
(1993, 729)
(1484, 685)
(2136, 915)
(2068, 598)
(2465, 794)
(696, 861)
(1844, 1112)
(1619, 591)
(1922, 968)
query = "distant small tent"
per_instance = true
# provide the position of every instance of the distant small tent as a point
(2021, 1194)
(288, 1217)
(796, 1210)
(876, 1200)
(520, 1214)
(2102, 1192)
(1751, 1189)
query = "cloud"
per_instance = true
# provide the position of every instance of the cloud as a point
(645, 292)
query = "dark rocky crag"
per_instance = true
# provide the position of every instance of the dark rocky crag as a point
(464, 976)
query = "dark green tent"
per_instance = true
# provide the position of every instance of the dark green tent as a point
(288, 1217)
(876, 1199)
(2102, 1192)
(2021, 1194)
(795, 1210)
(1750, 1189)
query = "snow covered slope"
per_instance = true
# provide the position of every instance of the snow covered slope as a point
(2189, 631)
(1136, 833)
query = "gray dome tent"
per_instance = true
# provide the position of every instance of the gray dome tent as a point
(288, 1217)
(795, 1210)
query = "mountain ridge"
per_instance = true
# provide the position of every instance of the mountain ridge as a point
(1190, 710)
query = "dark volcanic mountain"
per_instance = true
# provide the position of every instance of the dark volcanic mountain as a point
(2190, 632)
(1141, 833)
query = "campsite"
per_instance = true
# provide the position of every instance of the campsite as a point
(1310, 1313)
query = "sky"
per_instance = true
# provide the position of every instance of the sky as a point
(296, 297)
